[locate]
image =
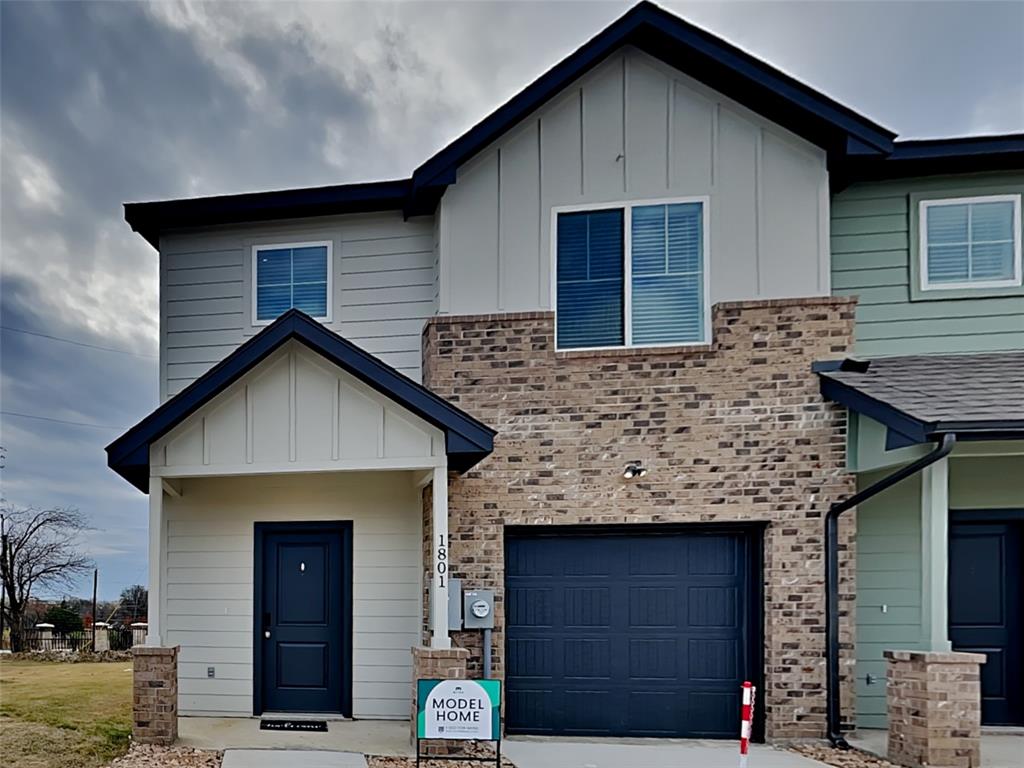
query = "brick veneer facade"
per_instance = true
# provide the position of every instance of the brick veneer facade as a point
(155, 695)
(732, 431)
(934, 704)
(435, 664)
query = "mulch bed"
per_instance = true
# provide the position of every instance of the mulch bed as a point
(149, 756)
(842, 758)
(70, 657)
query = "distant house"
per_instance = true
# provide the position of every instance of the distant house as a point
(570, 360)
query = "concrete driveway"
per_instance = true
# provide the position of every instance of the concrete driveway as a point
(641, 753)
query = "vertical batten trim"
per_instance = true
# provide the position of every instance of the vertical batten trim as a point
(625, 112)
(293, 416)
(579, 95)
(758, 213)
(381, 444)
(497, 235)
(670, 85)
(543, 291)
(249, 425)
(336, 421)
(205, 441)
(824, 237)
(715, 131)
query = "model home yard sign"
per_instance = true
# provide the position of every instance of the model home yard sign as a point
(458, 709)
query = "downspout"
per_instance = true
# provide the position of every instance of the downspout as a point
(835, 735)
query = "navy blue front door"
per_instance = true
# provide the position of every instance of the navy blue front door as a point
(627, 634)
(986, 611)
(303, 624)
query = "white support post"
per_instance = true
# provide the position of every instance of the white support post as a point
(935, 556)
(156, 531)
(441, 561)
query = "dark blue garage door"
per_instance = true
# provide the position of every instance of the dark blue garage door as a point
(628, 634)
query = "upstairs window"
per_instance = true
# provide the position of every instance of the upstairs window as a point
(631, 275)
(970, 242)
(291, 275)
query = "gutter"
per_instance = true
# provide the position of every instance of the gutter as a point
(835, 735)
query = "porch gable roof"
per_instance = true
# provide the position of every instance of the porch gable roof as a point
(467, 441)
(919, 398)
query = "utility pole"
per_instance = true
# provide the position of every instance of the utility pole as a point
(95, 581)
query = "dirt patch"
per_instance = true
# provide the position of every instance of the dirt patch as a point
(148, 756)
(842, 758)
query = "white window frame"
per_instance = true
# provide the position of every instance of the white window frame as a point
(922, 242)
(626, 206)
(274, 246)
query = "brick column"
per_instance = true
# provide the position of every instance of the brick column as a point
(155, 695)
(934, 703)
(435, 664)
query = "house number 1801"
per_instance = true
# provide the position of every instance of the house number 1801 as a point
(441, 559)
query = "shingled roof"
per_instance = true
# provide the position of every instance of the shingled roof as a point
(921, 397)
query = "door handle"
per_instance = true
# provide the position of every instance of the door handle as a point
(266, 625)
(266, 633)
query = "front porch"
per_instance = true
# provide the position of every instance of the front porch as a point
(288, 567)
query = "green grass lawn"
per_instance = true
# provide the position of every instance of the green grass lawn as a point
(55, 715)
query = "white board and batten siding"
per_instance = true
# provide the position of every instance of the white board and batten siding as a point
(635, 129)
(384, 288)
(264, 450)
(208, 582)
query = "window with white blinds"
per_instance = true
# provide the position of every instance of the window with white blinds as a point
(293, 275)
(632, 275)
(970, 242)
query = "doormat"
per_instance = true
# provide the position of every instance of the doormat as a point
(293, 725)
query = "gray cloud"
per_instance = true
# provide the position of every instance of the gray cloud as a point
(106, 102)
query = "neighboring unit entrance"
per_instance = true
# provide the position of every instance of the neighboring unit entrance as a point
(986, 606)
(303, 618)
(623, 633)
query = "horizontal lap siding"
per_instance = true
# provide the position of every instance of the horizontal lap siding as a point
(209, 582)
(385, 286)
(871, 253)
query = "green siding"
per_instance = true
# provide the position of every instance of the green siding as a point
(871, 259)
(889, 562)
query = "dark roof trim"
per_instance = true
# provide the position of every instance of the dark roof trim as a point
(931, 157)
(148, 219)
(910, 430)
(467, 440)
(701, 55)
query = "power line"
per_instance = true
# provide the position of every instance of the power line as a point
(60, 421)
(76, 343)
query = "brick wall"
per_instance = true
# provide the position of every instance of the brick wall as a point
(732, 431)
(934, 703)
(155, 695)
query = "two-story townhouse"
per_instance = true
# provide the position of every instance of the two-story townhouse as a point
(929, 241)
(568, 360)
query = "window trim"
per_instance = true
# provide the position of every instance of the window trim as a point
(329, 244)
(626, 206)
(924, 284)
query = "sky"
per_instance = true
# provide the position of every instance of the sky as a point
(108, 102)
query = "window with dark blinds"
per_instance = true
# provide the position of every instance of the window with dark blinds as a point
(590, 279)
(631, 276)
(288, 277)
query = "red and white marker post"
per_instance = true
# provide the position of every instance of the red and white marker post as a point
(746, 720)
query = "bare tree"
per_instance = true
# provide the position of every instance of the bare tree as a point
(42, 552)
(134, 602)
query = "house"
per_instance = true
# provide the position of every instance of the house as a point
(930, 243)
(568, 360)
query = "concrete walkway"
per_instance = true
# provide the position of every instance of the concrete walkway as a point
(288, 758)
(370, 737)
(641, 753)
(999, 748)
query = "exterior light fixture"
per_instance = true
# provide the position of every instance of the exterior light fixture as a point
(634, 469)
